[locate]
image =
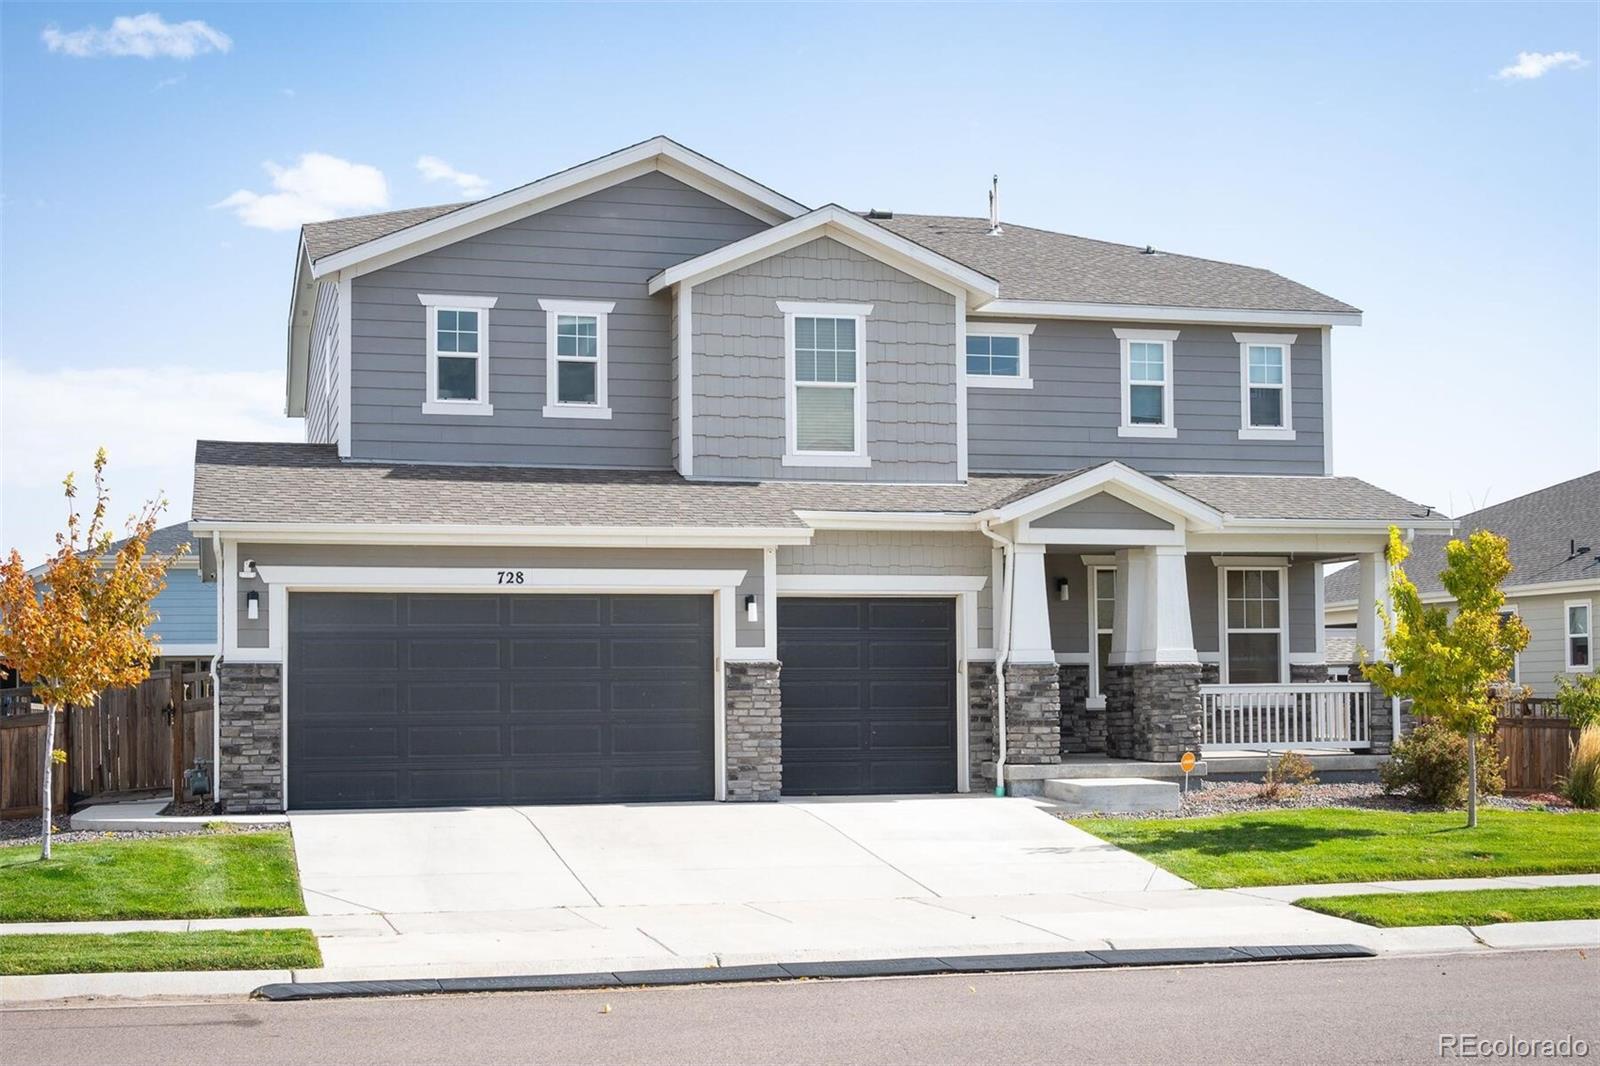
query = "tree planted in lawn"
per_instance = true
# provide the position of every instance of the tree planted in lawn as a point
(1448, 665)
(80, 627)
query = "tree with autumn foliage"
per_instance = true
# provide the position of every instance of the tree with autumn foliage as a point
(81, 626)
(1448, 664)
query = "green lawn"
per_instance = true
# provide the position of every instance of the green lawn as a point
(250, 949)
(225, 875)
(1474, 907)
(1323, 845)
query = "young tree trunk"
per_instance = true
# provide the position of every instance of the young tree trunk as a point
(47, 779)
(1472, 779)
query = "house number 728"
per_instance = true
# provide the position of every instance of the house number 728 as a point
(509, 577)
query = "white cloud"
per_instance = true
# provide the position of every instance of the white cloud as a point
(148, 419)
(435, 169)
(146, 36)
(318, 187)
(1530, 65)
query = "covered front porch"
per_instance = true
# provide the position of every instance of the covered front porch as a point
(1144, 624)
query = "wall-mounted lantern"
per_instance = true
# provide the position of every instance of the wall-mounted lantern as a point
(252, 606)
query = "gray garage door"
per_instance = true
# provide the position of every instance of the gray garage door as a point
(426, 700)
(869, 695)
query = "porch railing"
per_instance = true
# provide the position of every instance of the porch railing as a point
(1312, 715)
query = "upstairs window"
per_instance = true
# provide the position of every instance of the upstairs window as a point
(1579, 637)
(1147, 383)
(1265, 386)
(576, 359)
(997, 356)
(457, 355)
(823, 399)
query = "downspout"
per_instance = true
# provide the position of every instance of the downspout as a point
(216, 678)
(1002, 654)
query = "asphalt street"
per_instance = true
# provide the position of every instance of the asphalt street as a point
(1358, 1011)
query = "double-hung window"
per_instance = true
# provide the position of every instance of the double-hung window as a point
(1580, 636)
(1264, 386)
(458, 354)
(575, 358)
(1147, 382)
(1253, 626)
(997, 355)
(825, 363)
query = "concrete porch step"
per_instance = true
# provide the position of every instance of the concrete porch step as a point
(1113, 795)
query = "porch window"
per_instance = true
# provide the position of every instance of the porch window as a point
(1579, 637)
(1147, 382)
(1102, 612)
(825, 408)
(457, 355)
(576, 358)
(1253, 629)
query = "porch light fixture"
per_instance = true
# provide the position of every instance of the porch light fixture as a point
(750, 610)
(252, 605)
(1062, 589)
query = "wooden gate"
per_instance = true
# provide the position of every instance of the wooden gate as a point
(1537, 750)
(124, 743)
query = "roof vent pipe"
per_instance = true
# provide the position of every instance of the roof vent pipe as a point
(876, 214)
(994, 206)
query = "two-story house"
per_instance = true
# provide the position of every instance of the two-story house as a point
(646, 482)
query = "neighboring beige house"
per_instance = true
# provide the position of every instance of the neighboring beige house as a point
(1554, 586)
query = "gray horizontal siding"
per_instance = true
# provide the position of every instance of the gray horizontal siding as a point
(1101, 511)
(322, 370)
(604, 246)
(908, 350)
(749, 634)
(873, 552)
(1069, 418)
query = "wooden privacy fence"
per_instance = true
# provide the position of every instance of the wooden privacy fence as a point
(124, 743)
(1537, 748)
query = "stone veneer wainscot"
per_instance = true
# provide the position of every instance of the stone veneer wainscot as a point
(250, 702)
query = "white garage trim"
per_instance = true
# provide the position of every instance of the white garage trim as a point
(965, 592)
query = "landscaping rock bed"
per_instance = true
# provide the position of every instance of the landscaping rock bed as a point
(15, 831)
(1243, 797)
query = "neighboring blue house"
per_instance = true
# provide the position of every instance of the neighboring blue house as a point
(186, 610)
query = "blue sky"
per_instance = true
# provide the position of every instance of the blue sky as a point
(1370, 151)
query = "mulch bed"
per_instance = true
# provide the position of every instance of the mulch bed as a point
(1243, 797)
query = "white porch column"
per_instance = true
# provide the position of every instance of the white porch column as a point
(1168, 630)
(1030, 607)
(1372, 588)
(1128, 623)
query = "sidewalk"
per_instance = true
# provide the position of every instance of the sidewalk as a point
(553, 940)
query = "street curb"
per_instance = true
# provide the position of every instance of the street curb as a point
(906, 967)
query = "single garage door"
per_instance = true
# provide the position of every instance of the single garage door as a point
(869, 695)
(425, 700)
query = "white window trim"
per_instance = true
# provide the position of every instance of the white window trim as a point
(1222, 618)
(600, 311)
(792, 455)
(1164, 337)
(1024, 376)
(1096, 700)
(1247, 431)
(432, 304)
(1566, 637)
(1516, 657)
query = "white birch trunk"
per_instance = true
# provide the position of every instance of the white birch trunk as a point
(47, 780)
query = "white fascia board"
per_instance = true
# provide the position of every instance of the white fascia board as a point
(849, 228)
(1141, 486)
(1151, 313)
(1552, 588)
(658, 153)
(560, 536)
(903, 520)
(456, 578)
(1336, 525)
(175, 651)
(885, 584)
(301, 313)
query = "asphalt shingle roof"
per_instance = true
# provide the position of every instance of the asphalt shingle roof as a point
(164, 541)
(1541, 528)
(299, 483)
(326, 238)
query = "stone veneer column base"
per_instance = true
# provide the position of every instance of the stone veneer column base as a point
(1117, 687)
(754, 730)
(1166, 710)
(1308, 673)
(1033, 713)
(1381, 715)
(1082, 729)
(250, 705)
(982, 701)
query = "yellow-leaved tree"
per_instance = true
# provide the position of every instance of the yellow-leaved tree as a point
(80, 627)
(1447, 664)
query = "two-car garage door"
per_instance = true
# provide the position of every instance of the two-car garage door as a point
(416, 700)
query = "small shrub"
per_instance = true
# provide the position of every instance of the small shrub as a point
(1579, 699)
(1582, 783)
(1285, 775)
(1430, 765)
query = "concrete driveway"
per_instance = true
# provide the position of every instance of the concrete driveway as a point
(492, 890)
